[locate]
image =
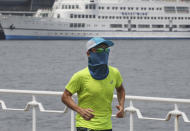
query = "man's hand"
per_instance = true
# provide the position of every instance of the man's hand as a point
(86, 113)
(120, 113)
(121, 100)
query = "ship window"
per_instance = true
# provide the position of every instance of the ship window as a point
(182, 9)
(108, 8)
(73, 6)
(77, 6)
(79, 16)
(133, 26)
(143, 26)
(69, 6)
(116, 25)
(169, 9)
(137, 8)
(58, 15)
(125, 25)
(86, 6)
(184, 26)
(71, 24)
(101, 8)
(157, 26)
(92, 6)
(75, 24)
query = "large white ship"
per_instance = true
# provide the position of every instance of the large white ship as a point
(113, 19)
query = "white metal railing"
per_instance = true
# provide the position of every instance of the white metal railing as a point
(130, 109)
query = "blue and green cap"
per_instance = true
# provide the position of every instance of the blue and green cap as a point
(97, 41)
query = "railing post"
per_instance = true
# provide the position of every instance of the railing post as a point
(176, 123)
(72, 121)
(131, 118)
(33, 115)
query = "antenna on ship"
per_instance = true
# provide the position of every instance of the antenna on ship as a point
(31, 5)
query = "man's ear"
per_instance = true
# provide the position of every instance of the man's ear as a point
(88, 53)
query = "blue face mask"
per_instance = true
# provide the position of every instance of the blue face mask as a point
(98, 65)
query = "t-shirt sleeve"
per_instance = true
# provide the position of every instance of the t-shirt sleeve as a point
(74, 84)
(119, 79)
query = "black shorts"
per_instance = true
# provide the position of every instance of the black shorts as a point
(86, 129)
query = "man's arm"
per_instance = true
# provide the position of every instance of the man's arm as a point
(67, 100)
(121, 100)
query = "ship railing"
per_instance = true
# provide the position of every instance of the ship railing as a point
(131, 109)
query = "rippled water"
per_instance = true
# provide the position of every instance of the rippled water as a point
(149, 68)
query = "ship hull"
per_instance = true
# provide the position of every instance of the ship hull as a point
(80, 35)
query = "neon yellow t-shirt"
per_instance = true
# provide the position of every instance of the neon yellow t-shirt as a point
(96, 95)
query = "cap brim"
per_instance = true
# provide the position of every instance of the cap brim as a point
(107, 42)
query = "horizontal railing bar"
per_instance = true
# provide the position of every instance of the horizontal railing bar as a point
(136, 98)
(157, 99)
(31, 92)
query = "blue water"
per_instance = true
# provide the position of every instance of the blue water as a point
(157, 68)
